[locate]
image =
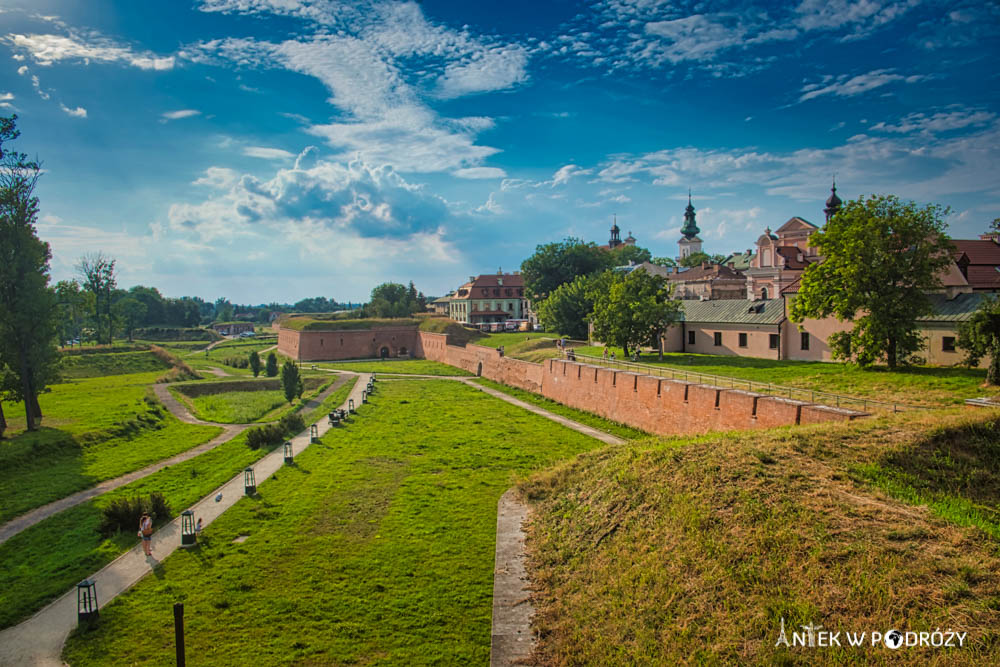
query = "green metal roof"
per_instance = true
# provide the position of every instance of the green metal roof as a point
(958, 309)
(735, 311)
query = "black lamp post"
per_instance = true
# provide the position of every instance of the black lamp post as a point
(86, 601)
(313, 433)
(188, 536)
(373, 377)
(350, 405)
(249, 483)
(364, 396)
(288, 452)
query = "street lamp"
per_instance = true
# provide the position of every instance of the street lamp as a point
(86, 601)
(350, 405)
(188, 536)
(288, 452)
(313, 433)
(364, 396)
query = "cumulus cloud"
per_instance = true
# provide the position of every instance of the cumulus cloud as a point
(357, 199)
(488, 70)
(218, 177)
(942, 121)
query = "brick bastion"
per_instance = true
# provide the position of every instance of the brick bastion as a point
(655, 405)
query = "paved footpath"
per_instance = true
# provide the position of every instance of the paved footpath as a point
(177, 409)
(39, 640)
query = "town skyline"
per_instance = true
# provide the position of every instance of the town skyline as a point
(270, 151)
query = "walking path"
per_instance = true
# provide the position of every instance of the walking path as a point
(177, 409)
(39, 640)
(206, 349)
(511, 640)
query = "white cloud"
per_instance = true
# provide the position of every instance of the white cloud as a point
(218, 177)
(22, 70)
(48, 49)
(267, 153)
(37, 85)
(356, 199)
(863, 15)
(480, 172)
(942, 121)
(180, 113)
(78, 112)
(844, 86)
(565, 173)
(486, 70)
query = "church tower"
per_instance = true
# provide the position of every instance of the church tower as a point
(615, 235)
(689, 243)
(833, 203)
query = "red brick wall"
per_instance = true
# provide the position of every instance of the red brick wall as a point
(349, 344)
(655, 405)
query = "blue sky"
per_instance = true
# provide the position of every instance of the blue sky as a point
(275, 149)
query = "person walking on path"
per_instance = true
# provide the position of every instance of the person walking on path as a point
(605, 354)
(146, 533)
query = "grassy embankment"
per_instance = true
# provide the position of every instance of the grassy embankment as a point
(400, 366)
(44, 561)
(691, 551)
(95, 428)
(379, 543)
(240, 347)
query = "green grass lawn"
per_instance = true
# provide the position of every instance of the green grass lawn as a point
(379, 543)
(231, 348)
(96, 365)
(237, 407)
(601, 424)
(920, 385)
(46, 560)
(403, 366)
(494, 339)
(94, 429)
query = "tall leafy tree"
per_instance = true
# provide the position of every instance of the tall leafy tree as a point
(271, 368)
(255, 363)
(980, 337)
(624, 254)
(28, 310)
(290, 380)
(698, 258)
(99, 278)
(633, 310)
(568, 309)
(881, 256)
(130, 313)
(74, 304)
(555, 264)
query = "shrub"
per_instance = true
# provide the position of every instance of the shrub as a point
(123, 514)
(237, 362)
(270, 435)
(272, 365)
(254, 362)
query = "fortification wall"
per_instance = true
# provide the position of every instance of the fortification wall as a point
(656, 405)
(348, 343)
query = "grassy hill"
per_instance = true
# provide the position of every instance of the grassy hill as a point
(692, 550)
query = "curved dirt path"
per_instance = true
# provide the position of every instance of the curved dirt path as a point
(178, 410)
(39, 640)
(206, 349)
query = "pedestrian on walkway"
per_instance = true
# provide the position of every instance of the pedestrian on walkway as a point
(605, 354)
(612, 357)
(146, 533)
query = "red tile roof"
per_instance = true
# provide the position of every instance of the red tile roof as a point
(979, 252)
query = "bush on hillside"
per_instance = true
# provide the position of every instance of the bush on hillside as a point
(270, 435)
(179, 370)
(237, 362)
(123, 514)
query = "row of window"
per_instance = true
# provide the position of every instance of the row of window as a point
(496, 291)
(947, 342)
(773, 339)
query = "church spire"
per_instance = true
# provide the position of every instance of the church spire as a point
(690, 228)
(615, 234)
(833, 203)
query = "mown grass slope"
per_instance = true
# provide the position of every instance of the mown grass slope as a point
(376, 547)
(94, 429)
(691, 551)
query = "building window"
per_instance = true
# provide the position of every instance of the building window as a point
(690, 338)
(773, 341)
(718, 338)
(805, 340)
(948, 344)
(743, 340)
